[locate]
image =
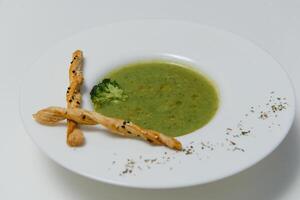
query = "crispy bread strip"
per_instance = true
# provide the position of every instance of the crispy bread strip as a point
(53, 115)
(73, 97)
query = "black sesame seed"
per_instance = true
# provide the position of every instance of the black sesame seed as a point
(149, 140)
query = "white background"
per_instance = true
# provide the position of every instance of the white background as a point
(29, 28)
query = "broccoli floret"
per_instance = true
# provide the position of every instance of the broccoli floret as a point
(107, 91)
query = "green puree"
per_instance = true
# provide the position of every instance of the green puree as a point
(163, 96)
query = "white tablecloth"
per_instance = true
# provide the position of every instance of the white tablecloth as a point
(29, 28)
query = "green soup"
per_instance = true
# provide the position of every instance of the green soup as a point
(163, 96)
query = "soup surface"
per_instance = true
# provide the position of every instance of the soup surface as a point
(164, 96)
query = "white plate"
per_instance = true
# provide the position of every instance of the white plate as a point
(250, 81)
